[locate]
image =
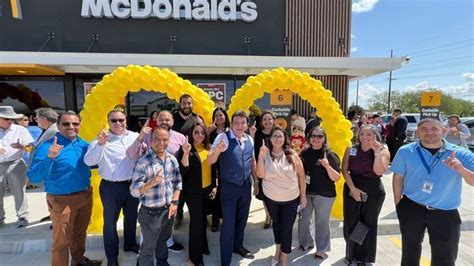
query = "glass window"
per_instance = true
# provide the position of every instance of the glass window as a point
(82, 85)
(28, 94)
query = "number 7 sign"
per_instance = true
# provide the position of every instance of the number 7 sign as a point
(431, 98)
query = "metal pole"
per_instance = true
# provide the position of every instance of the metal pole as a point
(357, 93)
(389, 85)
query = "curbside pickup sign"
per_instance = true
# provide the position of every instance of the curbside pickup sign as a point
(199, 10)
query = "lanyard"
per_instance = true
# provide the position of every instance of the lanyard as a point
(425, 164)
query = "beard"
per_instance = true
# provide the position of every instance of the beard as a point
(186, 111)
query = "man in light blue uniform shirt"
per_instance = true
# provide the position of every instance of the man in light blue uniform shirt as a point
(427, 183)
(59, 162)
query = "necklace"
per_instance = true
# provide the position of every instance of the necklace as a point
(277, 154)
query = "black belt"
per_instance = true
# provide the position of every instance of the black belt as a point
(72, 193)
(422, 205)
(155, 209)
(117, 182)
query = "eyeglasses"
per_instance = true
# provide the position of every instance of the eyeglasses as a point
(26, 119)
(278, 136)
(67, 124)
(199, 132)
(120, 120)
(316, 136)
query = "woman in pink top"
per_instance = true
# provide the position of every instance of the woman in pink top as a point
(284, 187)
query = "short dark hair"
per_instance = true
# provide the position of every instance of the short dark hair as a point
(240, 113)
(397, 110)
(375, 115)
(185, 96)
(68, 113)
(430, 119)
(115, 111)
(293, 112)
(161, 127)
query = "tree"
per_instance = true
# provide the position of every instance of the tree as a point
(409, 102)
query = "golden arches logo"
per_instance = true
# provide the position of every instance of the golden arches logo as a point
(16, 9)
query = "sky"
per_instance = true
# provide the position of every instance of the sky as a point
(437, 35)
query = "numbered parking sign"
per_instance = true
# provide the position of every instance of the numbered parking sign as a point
(432, 98)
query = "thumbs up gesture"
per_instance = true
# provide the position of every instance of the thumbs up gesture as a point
(453, 163)
(55, 149)
(158, 178)
(324, 161)
(263, 150)
(102, 137)
(186, 146)
(17, 145)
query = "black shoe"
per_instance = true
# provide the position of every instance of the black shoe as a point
(134, 248)
(176, 247)
(244, 253)
(112, 263)
(44, 219)
(215, 227)
(51, 227)
(88, 262)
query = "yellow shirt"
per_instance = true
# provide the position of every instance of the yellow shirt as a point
(205, 167)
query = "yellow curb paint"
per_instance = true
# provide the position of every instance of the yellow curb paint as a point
(398, 243)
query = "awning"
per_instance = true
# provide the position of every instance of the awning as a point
(355, 68)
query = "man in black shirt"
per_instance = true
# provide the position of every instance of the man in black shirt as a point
(184, 118)
(398, 132)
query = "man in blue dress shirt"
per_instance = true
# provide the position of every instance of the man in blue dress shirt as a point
(59, 162)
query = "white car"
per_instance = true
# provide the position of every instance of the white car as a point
(470, 140)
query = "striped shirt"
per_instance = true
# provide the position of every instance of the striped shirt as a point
(146, 169)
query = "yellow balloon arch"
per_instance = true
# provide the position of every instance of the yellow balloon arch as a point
(337, 127)
(112, 89)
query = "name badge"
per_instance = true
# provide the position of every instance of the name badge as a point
(308, 179)
(353, 152)
(428, 187)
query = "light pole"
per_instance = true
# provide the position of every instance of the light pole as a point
(389, 85)
(357, 94)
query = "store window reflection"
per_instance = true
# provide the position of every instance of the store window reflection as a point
(27, 95)
(143, 103)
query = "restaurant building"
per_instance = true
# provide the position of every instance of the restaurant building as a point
(52, 52)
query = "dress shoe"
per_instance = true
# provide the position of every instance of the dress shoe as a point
(134, 248)
(244, 253)
(112, 263)
(89, 262)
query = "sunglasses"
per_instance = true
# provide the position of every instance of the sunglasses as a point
(316, 136)
(120, 120)
(67, 124)
(199, 132)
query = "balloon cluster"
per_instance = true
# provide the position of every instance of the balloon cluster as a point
(112, 89)
(337, 127)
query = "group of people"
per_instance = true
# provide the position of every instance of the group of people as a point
(177, 159)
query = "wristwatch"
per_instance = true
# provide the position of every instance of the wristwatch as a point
(175, 202)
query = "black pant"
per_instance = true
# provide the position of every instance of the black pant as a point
(369, 214)
(197, 204)
(444, 229)
(216, 208)
(393, 147)
(283, 215)
(116, 196)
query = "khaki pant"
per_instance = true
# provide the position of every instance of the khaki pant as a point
(70, 215)
(14, 173)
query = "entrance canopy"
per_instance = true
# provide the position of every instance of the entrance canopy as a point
(354, 68)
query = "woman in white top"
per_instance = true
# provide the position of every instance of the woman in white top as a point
(284, 187)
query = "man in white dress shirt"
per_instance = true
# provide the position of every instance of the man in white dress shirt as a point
(108, 151)
(13, 140)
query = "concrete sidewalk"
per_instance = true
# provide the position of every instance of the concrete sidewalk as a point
(31, 245)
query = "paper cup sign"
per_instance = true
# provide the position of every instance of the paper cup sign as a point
(111, 90)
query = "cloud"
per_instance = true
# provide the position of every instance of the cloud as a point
(360, 6)
(423, 85)
(353, 36)
(468, 76)
(366, 91)
(354, 49)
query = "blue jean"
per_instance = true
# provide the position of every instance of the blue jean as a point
(156, 229)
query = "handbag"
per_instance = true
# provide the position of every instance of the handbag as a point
(360, 230)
